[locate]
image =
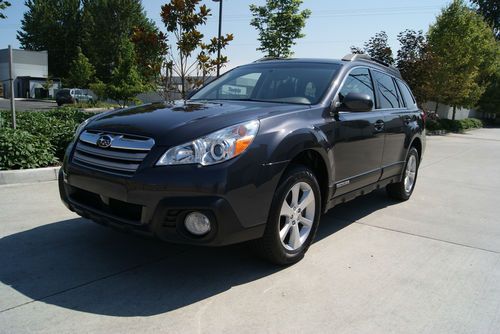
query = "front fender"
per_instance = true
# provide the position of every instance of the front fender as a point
(287, 140)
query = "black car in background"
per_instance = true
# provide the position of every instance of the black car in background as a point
(258, 154)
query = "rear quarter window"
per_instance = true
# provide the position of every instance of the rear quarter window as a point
(407, 95)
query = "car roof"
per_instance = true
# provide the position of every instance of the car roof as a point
(351, 59)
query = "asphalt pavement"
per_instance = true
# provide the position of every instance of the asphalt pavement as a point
(428, 265)
(27, 105)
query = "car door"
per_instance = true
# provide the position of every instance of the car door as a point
(396, 118)
(358, 137)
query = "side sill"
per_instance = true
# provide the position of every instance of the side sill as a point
(360, 192)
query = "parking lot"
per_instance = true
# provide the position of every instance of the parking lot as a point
(429, 265)
(25, 105)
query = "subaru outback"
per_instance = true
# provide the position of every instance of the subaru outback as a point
(257, 155)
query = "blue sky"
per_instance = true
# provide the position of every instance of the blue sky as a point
(332, 28)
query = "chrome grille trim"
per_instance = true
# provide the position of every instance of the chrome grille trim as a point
(110, 154)
(123, 157)
(106, 164)
(123, 142)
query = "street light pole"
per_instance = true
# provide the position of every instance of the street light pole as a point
(220, 33)
(11, 84)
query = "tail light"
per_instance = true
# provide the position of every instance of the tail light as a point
(424, 116)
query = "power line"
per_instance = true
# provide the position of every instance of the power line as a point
(351, 12)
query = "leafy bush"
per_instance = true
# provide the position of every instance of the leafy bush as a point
(96, 104)
(433, 125)
(19, 149)
(454, 126)
(57, 126)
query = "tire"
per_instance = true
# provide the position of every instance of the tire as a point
(59, 104)
(402, 190)
(298, 220)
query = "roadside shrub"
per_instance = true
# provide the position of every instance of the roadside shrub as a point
(433, 125)
(454, 126)
(57, 125)
(471, 123)
(19, 149)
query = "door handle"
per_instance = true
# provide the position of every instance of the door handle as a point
(379, 125)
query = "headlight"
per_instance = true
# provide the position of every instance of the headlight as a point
(214, 148)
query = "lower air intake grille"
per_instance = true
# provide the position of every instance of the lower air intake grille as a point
(111, 153)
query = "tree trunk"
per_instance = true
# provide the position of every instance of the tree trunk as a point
(454, 112)
(437, 105)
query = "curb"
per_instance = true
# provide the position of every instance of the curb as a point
(437, 133)
(96, 110)
(29, 175)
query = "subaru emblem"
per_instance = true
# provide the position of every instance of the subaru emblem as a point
(104, 141)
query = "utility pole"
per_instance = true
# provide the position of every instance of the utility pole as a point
(220, 33)
(11, 78)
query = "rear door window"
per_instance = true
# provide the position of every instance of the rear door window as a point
(387, 91)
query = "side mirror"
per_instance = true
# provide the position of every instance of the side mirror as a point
(356, 102)
(191, 93)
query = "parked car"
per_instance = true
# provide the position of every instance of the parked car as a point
(73, 95)
(258, 154)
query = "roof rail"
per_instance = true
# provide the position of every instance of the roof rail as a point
(271, 58)
(365, 57)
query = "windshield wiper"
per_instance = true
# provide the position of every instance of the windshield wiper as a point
(252, 100)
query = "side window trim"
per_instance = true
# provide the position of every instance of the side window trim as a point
(399, 83)
(402, 103)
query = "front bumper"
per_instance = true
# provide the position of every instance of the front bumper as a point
(236, 197)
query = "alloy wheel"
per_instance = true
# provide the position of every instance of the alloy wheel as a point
(410, 173)
(297, 216)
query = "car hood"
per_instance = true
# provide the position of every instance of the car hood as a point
(173, 124)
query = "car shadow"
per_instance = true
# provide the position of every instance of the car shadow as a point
(82, 266)
(345, 214)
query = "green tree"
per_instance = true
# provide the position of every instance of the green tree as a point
(279, 23)
(190, 55)
(207, 60)
(3, 5)
(490, 9)
(105, 23)
(415, 61)
(125, 82)
(378, 47)
(490, 100)
(150, 46)
(466, 53)
(82, 72)
(52, 25)
(357, 50)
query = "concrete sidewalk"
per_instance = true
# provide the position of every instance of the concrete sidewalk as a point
(429, 265)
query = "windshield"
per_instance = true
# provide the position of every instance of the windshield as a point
(299, 83)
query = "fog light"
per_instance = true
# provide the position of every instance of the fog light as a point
(197, 223)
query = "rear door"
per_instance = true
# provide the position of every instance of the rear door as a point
(359, 138)
(391, 105)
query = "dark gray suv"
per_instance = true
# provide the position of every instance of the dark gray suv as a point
(257, 155)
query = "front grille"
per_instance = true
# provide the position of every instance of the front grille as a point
(123, 155)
